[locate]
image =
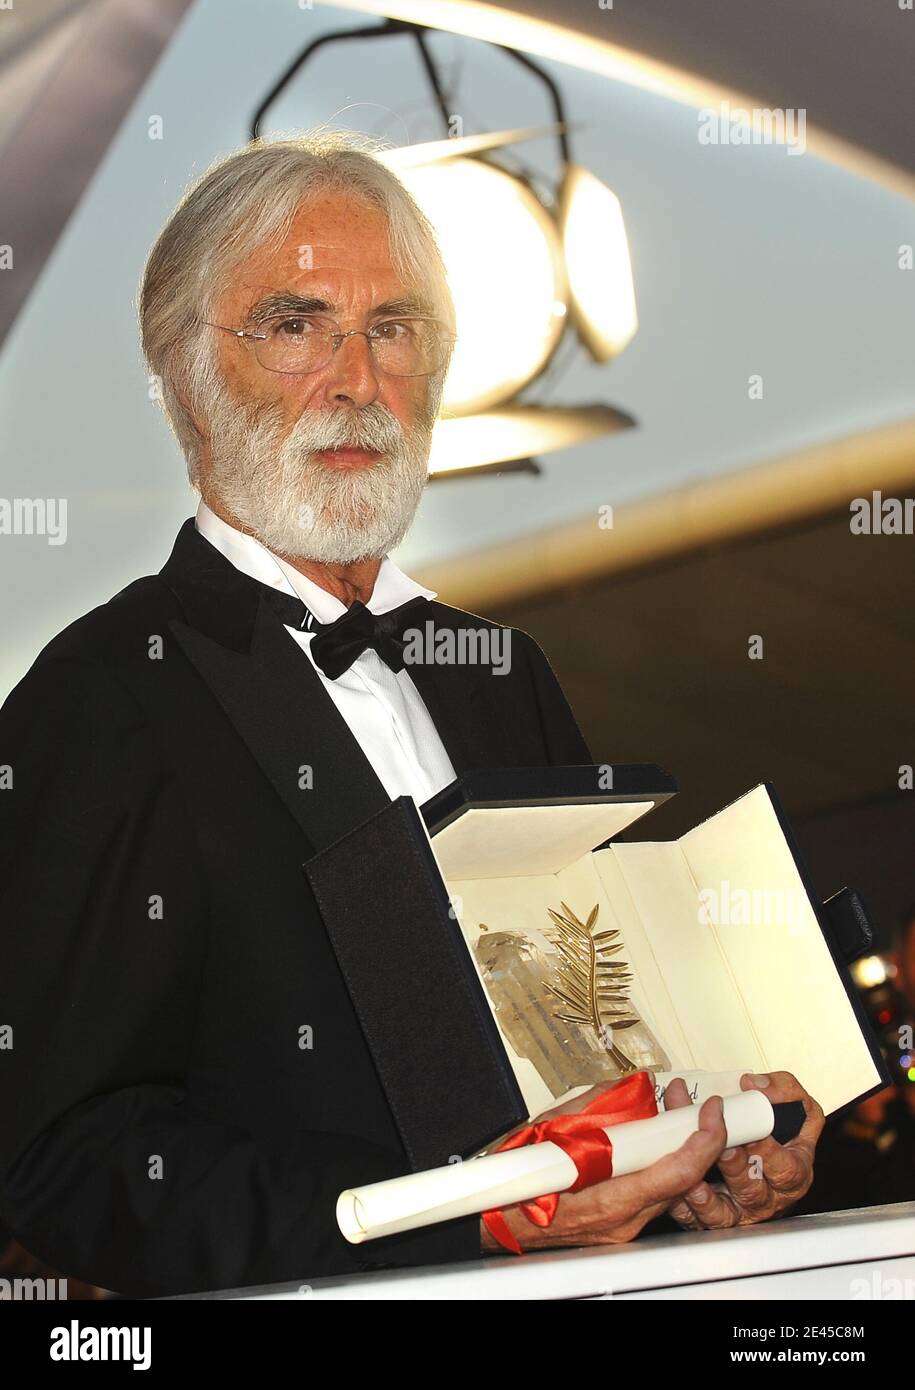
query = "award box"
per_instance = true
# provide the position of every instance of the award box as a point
(503, 947)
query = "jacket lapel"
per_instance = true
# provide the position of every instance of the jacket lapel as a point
(275, 700)
(294, 730)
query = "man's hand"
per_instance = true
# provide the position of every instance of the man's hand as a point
(761, 1180)
(612, 1212)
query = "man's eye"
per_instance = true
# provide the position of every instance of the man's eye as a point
(393, 331)
(291, 328)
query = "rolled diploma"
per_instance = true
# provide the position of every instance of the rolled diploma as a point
(519, 1175)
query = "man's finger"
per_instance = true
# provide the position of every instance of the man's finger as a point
(705, 1208)
(779, 1086)
(676, 1094)
(675, 1173)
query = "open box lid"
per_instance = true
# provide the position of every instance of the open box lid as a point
(496, 823)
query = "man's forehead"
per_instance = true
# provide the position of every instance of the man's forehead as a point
(297, 257)
(334, 267)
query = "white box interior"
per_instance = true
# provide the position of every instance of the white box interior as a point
(720, 993)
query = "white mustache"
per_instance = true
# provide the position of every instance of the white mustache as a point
(379, 432)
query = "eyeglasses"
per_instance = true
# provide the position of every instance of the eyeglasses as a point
(297, 344)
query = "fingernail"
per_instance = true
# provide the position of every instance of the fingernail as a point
(728, 1153)
(760, 1079)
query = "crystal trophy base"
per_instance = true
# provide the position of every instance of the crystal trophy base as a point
(563, 1003)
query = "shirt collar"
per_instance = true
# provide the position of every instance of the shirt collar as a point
(247, 554)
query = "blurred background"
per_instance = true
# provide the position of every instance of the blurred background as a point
(680, 235)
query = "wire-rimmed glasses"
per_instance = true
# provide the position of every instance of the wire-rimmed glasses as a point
(296, 344)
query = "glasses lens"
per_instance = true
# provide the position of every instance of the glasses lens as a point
(402, 347)
(408, 347)
(291, 345)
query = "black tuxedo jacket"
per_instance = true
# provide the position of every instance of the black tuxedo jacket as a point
(162, 1129)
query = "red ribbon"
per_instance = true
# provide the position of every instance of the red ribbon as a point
(582, 1137)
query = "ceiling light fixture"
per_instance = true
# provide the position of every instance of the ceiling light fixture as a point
(522, 276)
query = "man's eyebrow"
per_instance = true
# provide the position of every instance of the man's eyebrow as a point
(409, 304)
(288, 302)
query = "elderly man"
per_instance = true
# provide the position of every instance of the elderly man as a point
(178, 753)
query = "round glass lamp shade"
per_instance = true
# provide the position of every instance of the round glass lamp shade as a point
(504, 262)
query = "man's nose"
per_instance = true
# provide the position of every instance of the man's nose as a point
(351, 374)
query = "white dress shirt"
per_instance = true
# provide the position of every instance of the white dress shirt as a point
(383, 709)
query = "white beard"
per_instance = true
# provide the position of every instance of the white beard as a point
(302, 508)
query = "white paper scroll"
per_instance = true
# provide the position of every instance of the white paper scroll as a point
(519, 1175)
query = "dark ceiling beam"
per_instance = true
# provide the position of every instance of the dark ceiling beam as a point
(849, 63)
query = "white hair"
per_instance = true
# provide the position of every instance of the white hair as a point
(245, 202)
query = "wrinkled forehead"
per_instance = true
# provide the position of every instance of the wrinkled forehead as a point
(339, 272)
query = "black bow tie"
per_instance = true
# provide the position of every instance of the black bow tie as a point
(337, 644)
